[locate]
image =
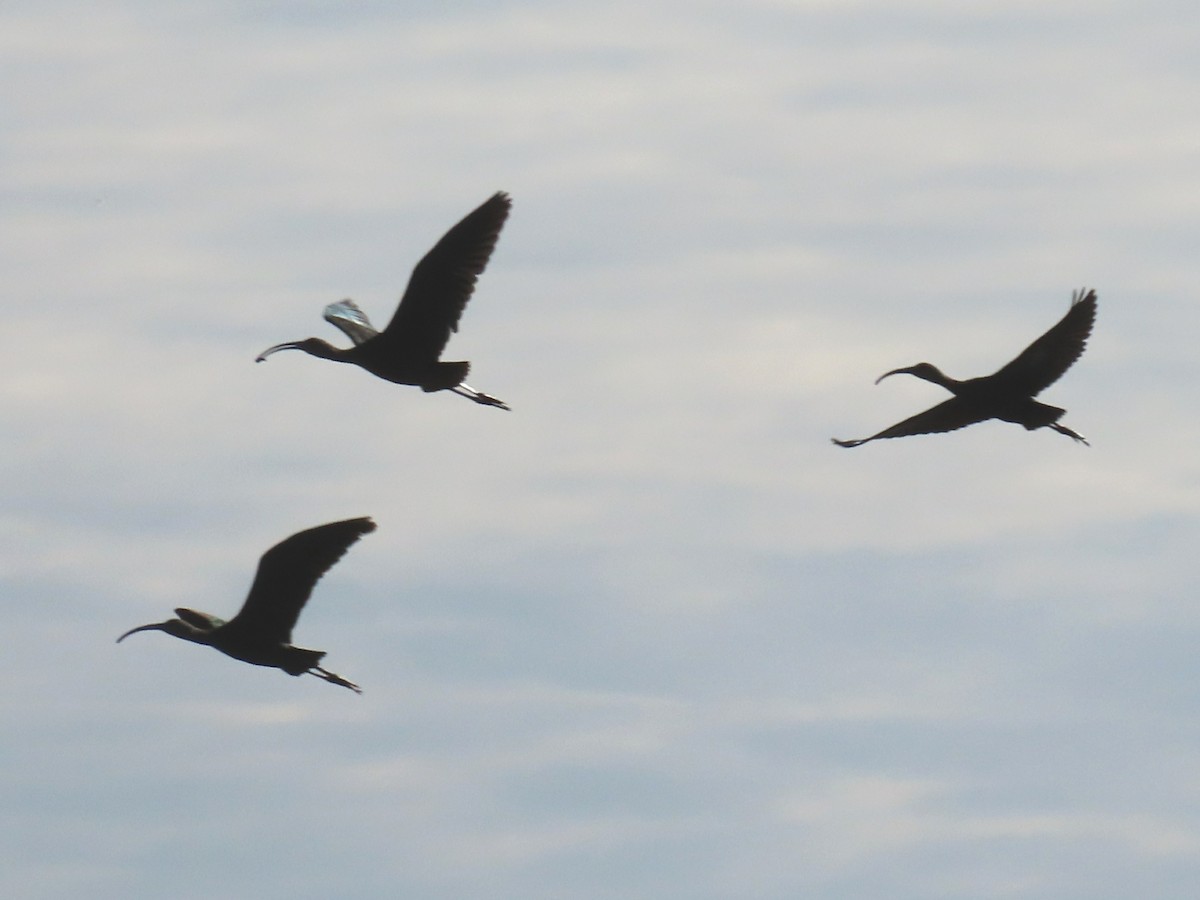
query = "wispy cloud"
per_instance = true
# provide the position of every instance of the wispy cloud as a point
(650, 634)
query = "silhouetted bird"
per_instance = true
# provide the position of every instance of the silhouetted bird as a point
(1008, 393)
(407, 351)
(261, 633)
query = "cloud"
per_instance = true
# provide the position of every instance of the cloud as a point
(650, 634)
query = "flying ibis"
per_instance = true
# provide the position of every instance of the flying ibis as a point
(1008, 393)
(261, 632)
(407, 351)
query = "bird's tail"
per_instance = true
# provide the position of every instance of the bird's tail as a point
(1038, 415)
(446, 375)
(300, 660)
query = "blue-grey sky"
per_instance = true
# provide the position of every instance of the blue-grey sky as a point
(649, 635)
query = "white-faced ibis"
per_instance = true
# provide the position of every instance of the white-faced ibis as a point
(1008, 393)
(261, 632)
(407, 351)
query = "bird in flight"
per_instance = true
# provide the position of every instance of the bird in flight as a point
(1008, 393)
(261, 632)
(407, 351)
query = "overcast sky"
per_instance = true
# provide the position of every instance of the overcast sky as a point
(650, 635)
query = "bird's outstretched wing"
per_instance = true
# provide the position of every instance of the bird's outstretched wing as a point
(287, 574)
(443, 281)
(1045, 360)
(353, 322)
(947, 416)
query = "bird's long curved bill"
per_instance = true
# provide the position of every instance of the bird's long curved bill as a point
(156, 626)
(292, 345)
(886, 374)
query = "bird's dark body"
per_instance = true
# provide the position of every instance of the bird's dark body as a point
(375, 356)
(1027, 412)
(991, 399)
(204, 628)
(293, 660)
(407, 350)
(1007, 394)
(261, 632)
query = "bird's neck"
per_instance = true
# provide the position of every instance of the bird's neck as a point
(937, 376)
(318, 347)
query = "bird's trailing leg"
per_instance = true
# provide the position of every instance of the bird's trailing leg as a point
(465, 390)
(333, 678)
(1063, 429)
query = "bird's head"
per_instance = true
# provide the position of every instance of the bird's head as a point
(311, 346)
(924, 370)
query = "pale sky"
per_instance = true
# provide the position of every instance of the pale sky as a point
(649, 636)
